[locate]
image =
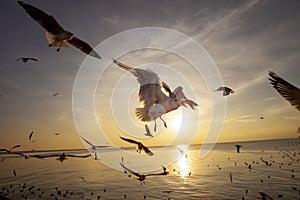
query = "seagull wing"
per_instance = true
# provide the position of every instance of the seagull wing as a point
(45, 156)
(84, 156)
(179, 95)
(130, 140)
(84, 47)
(48, 22)
(34, 59)
(130, 170)
(30, 136)
(16, 146)
(147, 150)
(286, 89)
(5, 150)
(150, 85)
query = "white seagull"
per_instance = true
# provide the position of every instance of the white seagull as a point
(155, 102)
(55, 34)
(285, 89)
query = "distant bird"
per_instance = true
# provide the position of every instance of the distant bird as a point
(15, 173)
(31, 134)
(286, 89)
(55, 34)
(264, 196)
(148, 133)
(56, 133)
(226, 90)
(262, 118)
(26, 59)
(140, 146)
(142, 177)
(61, 157)
(83, 179)
(10, 151)
(238, 148)
(55, 94)
(155, 101)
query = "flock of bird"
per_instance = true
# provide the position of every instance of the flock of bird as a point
(155, 95)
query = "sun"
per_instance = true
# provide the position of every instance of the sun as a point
(174, 120)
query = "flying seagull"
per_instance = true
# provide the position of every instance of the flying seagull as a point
(26, 59)
(238, 148)
(264, 196)
(30, 136)
(61, 157)
(140, 146)
(55, 94)
(142, 177)
(10, 151)
(226, 90)
(148, 133)
(155, 101)
(56, 35)
(285, 89)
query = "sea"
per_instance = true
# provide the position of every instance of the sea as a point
(269, 166)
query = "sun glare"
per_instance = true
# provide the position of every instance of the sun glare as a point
(174, 121)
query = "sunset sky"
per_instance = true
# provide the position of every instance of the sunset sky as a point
(245, 39)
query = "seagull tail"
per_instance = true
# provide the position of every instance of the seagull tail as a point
(143, 114)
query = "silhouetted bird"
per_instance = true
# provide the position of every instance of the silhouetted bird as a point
(61, 157)
(142, 177)
(140, 146)
(30, 135)
(26, 59)
(238, 148)
(226, 90)
(55, 34)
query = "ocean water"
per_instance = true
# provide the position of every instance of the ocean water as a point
(189, 177)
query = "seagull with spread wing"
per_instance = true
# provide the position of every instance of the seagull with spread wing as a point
(61, 157)
(56, 35)
(140, 146)
(286, 89)
(10, 151)
(226, 90)
(26, 59)
(155, 101)
(142, 177)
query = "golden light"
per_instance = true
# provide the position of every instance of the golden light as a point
(174, 120)
(183, 166)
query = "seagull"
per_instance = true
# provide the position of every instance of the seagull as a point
(56, 35)
(262, 118)
(30, 136)
(285, 89)
(264, 196)
(142, 177)
(155, 101)
(226, 90)
(26, 59)
(140, 146)
(55, 94)
(61, 157)
(148, 133)
(10, 151)
(238, 148)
